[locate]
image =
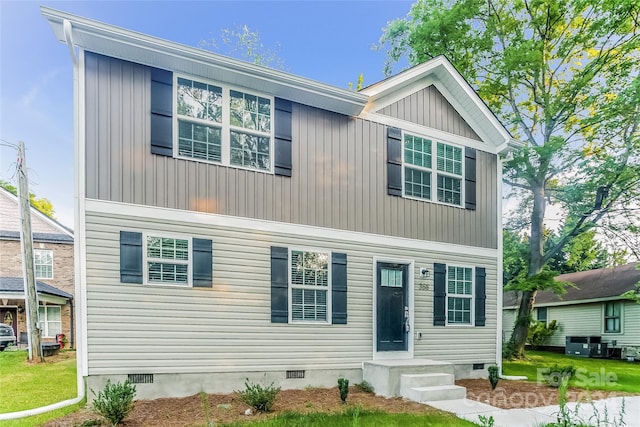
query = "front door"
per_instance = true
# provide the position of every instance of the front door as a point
(392, 307)
(9, 316)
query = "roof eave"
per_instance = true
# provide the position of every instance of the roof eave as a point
(132, 46)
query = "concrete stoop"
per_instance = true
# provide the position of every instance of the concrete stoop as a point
(420, 380)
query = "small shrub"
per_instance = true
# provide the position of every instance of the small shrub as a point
(508, 350)
(556, 374)
(494, 377)
(365, 387)
(258, 397)
(343, 386)
(115, 401)
(486, 421)
(540, 332)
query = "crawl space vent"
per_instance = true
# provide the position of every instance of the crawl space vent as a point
(295, 375)
(477, 366)
(140, 378)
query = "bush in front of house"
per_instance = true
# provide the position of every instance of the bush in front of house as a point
(115, 401)
(343, 386)
(258, 397)
(494, 377)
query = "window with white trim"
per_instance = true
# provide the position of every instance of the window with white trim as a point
(541, 315)
(223, 125)
(612, 317)
(459, 295)
(424, 171)
(50, 320)
(167, 260)
(310, 286)
(43, 263)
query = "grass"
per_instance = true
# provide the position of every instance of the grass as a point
(357, 417)
(27, 386)
(592, 374)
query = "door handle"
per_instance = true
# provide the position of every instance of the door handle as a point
(407, 325)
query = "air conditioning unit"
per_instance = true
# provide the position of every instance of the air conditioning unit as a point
(585, 347)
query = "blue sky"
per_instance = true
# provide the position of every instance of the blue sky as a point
(328, 41)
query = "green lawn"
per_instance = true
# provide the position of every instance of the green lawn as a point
(26, 386)
(358, 418)
(592, 374)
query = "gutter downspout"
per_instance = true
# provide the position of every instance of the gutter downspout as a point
(73, 322)
(68, 33)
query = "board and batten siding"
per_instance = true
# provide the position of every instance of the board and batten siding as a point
(338, 179)
(428, 107)
(227, 328)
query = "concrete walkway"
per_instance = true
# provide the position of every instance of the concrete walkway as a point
(532, 417)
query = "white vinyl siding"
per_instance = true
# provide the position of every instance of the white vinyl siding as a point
(50, 320)
(43, 263)
(219, 124)
(228, 328)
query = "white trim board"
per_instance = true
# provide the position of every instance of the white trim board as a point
(208, 219)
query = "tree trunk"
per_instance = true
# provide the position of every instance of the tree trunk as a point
(536, 262)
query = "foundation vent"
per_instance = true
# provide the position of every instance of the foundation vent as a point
(140, 378)
(477, 366)
(295, 375)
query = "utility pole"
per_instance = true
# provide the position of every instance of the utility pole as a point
(26, 241)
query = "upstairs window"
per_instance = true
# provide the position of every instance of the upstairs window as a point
(424, 171)
(167, 260)
(43, 263)
(222, 125)
(310, 286)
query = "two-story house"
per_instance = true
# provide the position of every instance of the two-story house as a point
(235, 221)
(53, 267)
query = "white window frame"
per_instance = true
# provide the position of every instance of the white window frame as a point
(146, 259)
(604, 318)
(225, 126)
(45, 322)
(35, 265)
(471, 297)
(291, 286)
(433, 170)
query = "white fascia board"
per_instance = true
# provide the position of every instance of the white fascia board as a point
(95, 36)
(197, 219)
(441, 73)
(63, 230)
(12, 295)
(52, 299)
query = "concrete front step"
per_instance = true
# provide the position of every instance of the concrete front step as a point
(425, 380)
(432, 393)
(385, 375)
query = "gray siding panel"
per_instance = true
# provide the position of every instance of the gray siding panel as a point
(227, 328)
(428, 107)
(338, 176)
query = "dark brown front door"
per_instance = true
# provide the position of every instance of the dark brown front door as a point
(9, 316)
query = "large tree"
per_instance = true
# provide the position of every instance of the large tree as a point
(562, 75)
(42, 204)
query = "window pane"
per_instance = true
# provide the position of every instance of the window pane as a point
(449, 159)
(53, 313)
(417, 183)
(199, 100)
(417, 151)
(199, 142)
(459, 310)
(250, 111)
(391, 278)
(449, 190)
(250, 150)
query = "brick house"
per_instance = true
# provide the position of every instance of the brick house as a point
(53, 259)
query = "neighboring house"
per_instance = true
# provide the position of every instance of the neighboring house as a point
(236, 220)
(593, 308)
(53, 267)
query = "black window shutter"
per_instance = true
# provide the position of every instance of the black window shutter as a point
(439, 294)
(161, 112)
(470, 178)
(279, 285)
(481, 296)
(202, 263)
(394, 161)
(130, 257)
(282, 143)
(338, 289)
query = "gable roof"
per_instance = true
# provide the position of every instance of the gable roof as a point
(43, 228)
(16, 284)
(116, 42)
(592, 285)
